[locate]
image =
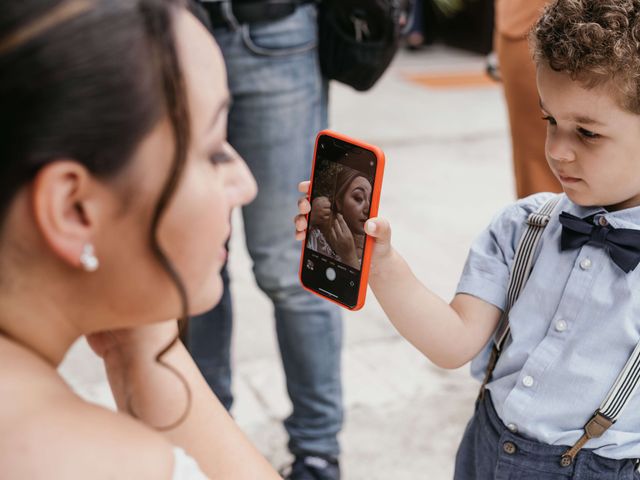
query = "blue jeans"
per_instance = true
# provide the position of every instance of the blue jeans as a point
(279, 104)
(489, 451)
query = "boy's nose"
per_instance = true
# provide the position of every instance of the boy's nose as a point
(559, 149)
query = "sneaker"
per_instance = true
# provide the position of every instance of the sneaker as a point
(314, 467)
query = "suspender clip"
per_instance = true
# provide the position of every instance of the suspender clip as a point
(594, 428)
(538, 219)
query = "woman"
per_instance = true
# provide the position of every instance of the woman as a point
(337, 229)
(116, 186)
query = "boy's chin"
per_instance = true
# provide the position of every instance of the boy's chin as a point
(581, 199)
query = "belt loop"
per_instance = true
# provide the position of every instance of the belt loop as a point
(228, 15)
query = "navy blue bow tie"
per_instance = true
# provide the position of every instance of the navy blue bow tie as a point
(623, 244)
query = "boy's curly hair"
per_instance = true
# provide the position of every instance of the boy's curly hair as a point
(594, 41)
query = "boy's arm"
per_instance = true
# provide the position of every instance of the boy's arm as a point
(448, 334)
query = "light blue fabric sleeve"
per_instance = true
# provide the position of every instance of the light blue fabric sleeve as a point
(486, 271)
(185, 467)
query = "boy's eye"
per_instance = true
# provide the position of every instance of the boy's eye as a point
(550, 119)
(587, 133)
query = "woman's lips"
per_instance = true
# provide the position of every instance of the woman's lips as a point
(223, 255)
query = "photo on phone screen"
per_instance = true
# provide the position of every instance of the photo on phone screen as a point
(341, 195)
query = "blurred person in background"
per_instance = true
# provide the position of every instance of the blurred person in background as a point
(514, 20)
(279, 103)
(415, 38)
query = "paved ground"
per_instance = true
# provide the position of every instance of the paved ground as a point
(448, 171)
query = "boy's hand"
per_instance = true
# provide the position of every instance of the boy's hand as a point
(377, 228)
(304, 207)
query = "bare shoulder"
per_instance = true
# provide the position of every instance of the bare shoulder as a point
(46, 431)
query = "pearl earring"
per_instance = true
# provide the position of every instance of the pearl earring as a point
(88, 259)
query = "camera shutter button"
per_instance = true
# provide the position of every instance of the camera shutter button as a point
(331, 274)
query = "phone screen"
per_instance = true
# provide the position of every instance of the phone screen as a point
(341, 194)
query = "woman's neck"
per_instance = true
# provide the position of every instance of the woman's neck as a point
(36, 325)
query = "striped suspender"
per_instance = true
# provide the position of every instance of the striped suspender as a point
(611, 408)
(522, 264)
(629, 378)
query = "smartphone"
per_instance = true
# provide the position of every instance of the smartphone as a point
(345, 187)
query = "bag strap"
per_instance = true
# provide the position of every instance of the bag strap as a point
(522, 265)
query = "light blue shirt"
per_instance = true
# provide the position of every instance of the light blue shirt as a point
(572, 329)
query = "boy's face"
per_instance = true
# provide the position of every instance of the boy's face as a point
(593, 145)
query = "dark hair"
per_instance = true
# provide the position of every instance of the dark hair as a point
(87, 80)
(593, 41)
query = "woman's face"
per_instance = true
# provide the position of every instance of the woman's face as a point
(354, 205)
(196, 225)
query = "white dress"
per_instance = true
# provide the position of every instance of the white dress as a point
(185, 467)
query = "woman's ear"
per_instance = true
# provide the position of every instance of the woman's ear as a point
(64, 210)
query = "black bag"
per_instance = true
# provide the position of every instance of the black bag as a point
(358, 39)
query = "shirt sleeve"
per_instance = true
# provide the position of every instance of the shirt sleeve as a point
(185, 467)
(488, 266)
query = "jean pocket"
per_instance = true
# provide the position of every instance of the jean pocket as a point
(297, 33)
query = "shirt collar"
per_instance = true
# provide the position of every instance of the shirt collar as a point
(627, 218)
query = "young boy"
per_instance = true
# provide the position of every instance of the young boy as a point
(577, 321)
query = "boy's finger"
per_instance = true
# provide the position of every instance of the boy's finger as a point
(303, 187)
(380, 229)
(300, 222)
(304, 206)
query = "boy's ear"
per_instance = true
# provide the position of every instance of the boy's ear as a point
(63, 208)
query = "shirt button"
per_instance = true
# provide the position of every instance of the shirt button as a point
(509, 447)
(603, 222)
(513, 428)
(527, 381)
(585, 264)
(561, 325)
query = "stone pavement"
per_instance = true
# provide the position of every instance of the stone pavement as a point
(448, 171)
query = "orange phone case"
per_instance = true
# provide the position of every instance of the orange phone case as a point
(373, 212)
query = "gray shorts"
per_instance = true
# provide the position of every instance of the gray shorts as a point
(490, 451)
